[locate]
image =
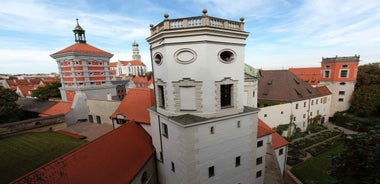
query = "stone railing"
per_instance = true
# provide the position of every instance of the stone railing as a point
(199, 21)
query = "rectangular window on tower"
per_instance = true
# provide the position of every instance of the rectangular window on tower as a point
(343, 74)
(161, 96)
(188, 99)
(326, 74)
(226, 95)
(165, 132)
(211, 171)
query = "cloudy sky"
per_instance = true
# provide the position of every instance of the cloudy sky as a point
(283, 33)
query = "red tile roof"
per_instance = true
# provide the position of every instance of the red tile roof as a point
(146, 80)
(115, 157)
(278, 141)
(27, 90)
(81, 48)
(310, 75)
(135, 105)
(263, 129)
(324, 90)
(59, 108)
(113, 64)
(132, 62)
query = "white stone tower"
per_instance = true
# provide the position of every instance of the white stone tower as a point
(201, 131)
(136, 52)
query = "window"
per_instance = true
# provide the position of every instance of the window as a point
(265, 115)
(90, 119)
(281, 151)
(158, 58)
(144, 178)
(212, 130)
(326, 74)
(161, 96)
(225, 95)
(341, 92)
(173, 167)
(304, 123)
(340, 100)
(294, 118)
(76, 62)
(238, 124)
(344, 66)
(89, 63)
(98, 120)
(237, 161)
(282, 112)
(317, 112)
(311, 113)
(312, 102)
(161, 157)
(296, 105)
(304, 115)
(258, 174)
(321, 100)
(188, 98)
(165, 132)
(342, 83)
(101, 63)
(226, 56)
(304, 104)
(327, 66)
(253, 93)
(316, 101)
(343, 74)
(259, 143)
(211, 171)
(259, 160)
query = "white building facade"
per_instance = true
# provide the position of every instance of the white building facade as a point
(201, 131)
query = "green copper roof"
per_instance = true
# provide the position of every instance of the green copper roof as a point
(249, 70)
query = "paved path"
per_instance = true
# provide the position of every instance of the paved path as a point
(90, 130)
(331, 126)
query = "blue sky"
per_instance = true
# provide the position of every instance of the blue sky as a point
(283, 33)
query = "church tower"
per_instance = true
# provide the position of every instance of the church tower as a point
(136, 52)
(201, 131)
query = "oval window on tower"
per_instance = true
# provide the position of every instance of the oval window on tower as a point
(227, 56)
(158, 58)
(185, 56)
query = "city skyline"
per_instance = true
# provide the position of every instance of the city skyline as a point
(283, 34)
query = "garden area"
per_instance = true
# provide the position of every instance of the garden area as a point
(316, 169)
(25, 152)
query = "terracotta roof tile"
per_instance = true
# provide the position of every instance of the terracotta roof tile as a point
(324, 90)
(27, 90)
(135, 105)
(278, 141)
(282, 85)
(115, 157)
(263, 129)
(310, 75)
(59, 108)
(81, 48)
(132, 63)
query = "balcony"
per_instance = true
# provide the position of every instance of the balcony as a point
(200, 21)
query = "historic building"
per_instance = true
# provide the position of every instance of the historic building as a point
(84, 72)
(134, 67)
(338, 74)
(201, 131)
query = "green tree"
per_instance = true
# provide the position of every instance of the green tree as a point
(366, 97)
(9, 109)
(50, 90)
(360, 161)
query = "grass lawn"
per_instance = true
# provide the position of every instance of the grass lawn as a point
(314, 169)
(20, 154)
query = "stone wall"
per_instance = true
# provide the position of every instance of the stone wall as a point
(56, 122)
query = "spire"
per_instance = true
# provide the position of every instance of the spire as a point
(79, 34)
(136, 52)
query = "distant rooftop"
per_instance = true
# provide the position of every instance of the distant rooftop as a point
(199, 21)
(342, 59)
